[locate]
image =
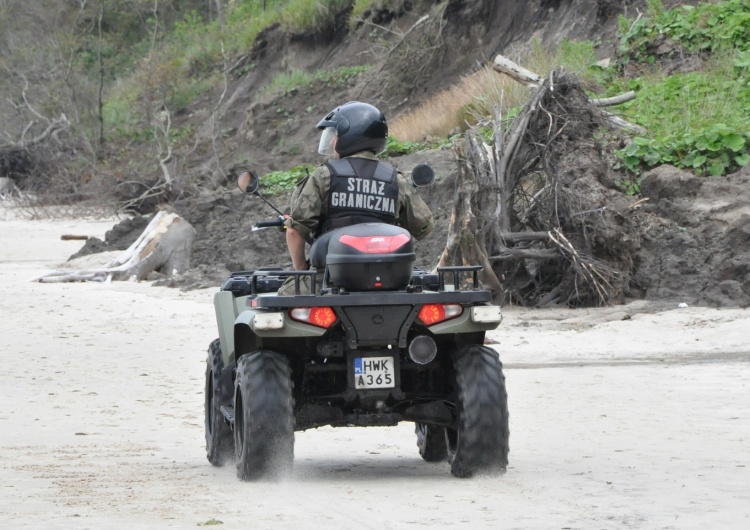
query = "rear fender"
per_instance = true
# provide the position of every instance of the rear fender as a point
(226, 313)
(250, 328)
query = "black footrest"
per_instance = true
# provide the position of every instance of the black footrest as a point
(228, 413)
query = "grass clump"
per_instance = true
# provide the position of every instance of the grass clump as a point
(479, 94)
(360, 8)
(303, 16)
(285, 83)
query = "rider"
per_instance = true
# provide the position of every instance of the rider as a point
(353, 186)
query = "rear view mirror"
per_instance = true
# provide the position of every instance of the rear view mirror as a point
(248, 182)
(422, 175)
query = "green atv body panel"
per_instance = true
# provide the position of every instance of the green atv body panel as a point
(235, 317)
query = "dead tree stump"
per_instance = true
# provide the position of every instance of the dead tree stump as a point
(536, 206)
(164, 246)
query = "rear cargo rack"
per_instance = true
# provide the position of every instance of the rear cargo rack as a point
(298, 275)
(442, 291)
(457, 271)
(269, 280)
(368, 298)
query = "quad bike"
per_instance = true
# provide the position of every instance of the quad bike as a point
(375, 343)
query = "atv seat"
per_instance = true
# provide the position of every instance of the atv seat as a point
(319, 250)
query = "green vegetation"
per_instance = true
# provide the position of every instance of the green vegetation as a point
(396, 148)
(297, 79)
(715, 151)
(709, 27)
(697, 121)
(303, 16)
(210, 522)
(361, 6)
(279, 182)
(191, 55)
(143, 61)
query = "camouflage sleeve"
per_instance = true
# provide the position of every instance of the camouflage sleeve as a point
(309, 202)
(414, 215)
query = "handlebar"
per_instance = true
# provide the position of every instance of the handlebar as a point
(279, 222)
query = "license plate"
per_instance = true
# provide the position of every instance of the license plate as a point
(374, 372)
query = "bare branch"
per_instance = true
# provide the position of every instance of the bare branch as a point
(216, 113)
(26, 101)
(385, 61)
(519, 73)
(614, 100)
(528, 78)
(623, 124)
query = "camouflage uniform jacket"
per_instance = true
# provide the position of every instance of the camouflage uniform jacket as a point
(310, 204)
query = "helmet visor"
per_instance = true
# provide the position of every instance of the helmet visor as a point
(327, 146)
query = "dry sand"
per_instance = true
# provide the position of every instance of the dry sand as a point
(636, 416)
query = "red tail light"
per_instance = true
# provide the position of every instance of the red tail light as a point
(376, 244)
(323, 317)
(435, 313)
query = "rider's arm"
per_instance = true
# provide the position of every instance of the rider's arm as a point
(296, 244)
(308, 203)
(414, 214)
(305, 213)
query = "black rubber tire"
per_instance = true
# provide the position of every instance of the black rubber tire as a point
(218, 434)
(480, 441)
(263, 416)
(431, 442)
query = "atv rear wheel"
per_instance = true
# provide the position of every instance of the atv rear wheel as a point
(218, 433)
(431, 442)
(480, 440)
(263, 416)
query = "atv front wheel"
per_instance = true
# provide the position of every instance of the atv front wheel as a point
(263, 416)
(431, 442)
(218, 433)
(480, 440)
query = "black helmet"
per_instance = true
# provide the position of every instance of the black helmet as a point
(359, 127)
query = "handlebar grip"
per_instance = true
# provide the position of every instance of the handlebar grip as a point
(279, 221)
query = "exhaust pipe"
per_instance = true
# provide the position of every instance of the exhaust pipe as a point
(422, 349)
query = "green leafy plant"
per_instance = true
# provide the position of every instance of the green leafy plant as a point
(655, 8)
(715, 151)
(630, 186)
(340, 76)
(396, 148)
(279, 182)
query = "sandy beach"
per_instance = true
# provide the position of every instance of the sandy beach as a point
(635, 416)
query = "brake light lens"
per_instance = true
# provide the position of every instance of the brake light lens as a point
(376, 244)
(323, 317)
(435, 313)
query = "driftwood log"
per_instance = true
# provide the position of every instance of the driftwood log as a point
(164, 246)
(536, 206)
(8, 188)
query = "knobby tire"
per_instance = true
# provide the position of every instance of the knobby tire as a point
(264, 417)
(479, 443)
